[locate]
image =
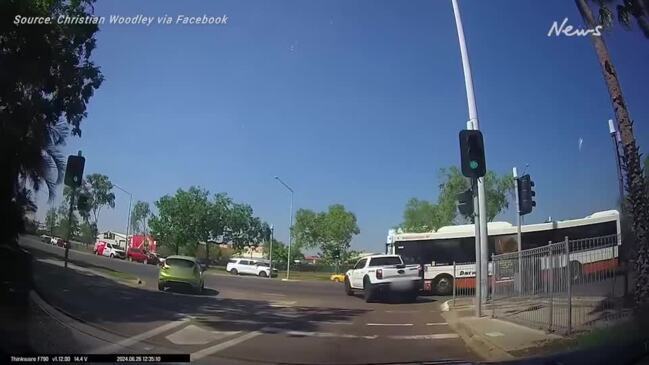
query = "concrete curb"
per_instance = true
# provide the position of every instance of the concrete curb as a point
(480, 345)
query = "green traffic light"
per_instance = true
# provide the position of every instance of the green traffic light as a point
(473, 165)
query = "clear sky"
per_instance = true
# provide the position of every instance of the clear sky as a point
(358, 103)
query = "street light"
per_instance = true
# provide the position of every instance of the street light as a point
(290, 236)
(128, 220)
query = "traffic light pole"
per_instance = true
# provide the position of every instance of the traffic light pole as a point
(519, 239)
(481, 211)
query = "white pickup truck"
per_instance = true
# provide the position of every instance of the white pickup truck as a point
(383, 274)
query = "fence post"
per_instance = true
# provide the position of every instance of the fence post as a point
(453, 281)
(493, 286)
(569, 284)
(550, 285)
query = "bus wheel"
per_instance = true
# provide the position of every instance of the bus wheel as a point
(443, 285)
(575, 271)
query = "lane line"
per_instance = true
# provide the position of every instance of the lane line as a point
(274, 294)
(331, 322)
(390, 324)
(142, 336)
(222, 346)
(437, 324)
(402, 311)
(437, 336)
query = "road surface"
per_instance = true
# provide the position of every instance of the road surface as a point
(241, 320)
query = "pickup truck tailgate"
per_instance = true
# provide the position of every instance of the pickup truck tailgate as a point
(400, 272)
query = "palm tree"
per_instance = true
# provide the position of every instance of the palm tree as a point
(635, 182)
(626, 9)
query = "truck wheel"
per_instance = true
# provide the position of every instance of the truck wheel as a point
(263, 274)
(161, 286)
(348, 287)
(443, 285)
(368, 290)
(234, 272)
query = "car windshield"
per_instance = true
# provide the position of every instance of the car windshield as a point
(181, 263)
(383, 261)
(335, 182)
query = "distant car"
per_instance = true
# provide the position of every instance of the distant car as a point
(45, 238)
(109, 250)
(54, 240)
(382, 274)
(181, 271)
(238, 266)
(140, 255)
(337, 278)
(60, 242)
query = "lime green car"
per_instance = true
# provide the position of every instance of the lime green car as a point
(181, 271)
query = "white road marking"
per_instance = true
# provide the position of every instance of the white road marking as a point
(402, 311)
(444, 305)
(274, 294)
(390, 324)
(331, 322)
(437, 324)
(437, 336)
(282, 303)
(274, 330)
(141, 337)
(222, 346)
(494, 334)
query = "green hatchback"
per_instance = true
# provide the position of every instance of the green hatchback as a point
(181, 271)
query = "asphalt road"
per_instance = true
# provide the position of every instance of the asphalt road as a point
(242, 320)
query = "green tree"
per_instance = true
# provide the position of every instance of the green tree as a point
(62, 226)
(182, 220)
(139, 216)
(280, 254)
(635, 186)
(47, 79)
(51, 220)
(100, 194)
(331, 231)
(424, 216)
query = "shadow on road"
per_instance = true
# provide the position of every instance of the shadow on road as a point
(103, 302)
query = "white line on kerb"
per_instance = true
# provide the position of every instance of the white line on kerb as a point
(437, 324)
(390, 324)
(141, 337)
(222, 346)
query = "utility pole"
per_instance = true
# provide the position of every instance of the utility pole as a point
(482, 240)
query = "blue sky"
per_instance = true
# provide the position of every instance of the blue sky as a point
(358, 103)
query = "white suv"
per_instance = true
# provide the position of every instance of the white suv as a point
(250, 267)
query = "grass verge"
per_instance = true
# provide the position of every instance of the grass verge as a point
(299, 275)
(116, 274)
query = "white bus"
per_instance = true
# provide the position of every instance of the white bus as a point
(438, 251)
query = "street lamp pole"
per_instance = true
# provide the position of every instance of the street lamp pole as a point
(483, 255)
(290, 236)
(270, 251)
(128, 219)
(615, 136)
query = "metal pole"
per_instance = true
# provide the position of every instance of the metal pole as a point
(569, 284)
(68, 240)
(550, 285)
(290, 227)
(478, 258)
(128, 223)
(454, 284)
(270, 252)
(519, 239)
(69, 236)
(473, 118)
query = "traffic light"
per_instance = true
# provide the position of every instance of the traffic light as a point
(74, 171)
(525, 194)
(465, 202)
(472, 154)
